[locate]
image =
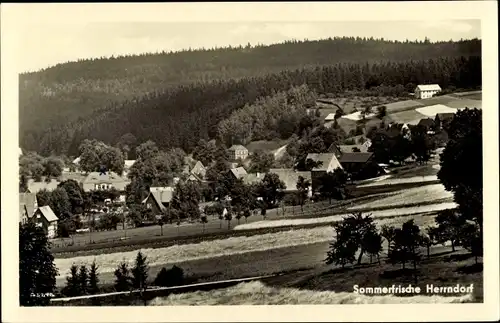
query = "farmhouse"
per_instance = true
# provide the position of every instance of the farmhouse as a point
(45, 218)
(360, 165)
(328, 163)
(158, 199)
(238, 152)
(239, 172)
(27, 206)
(104, 181)
(290, 177)
(426, 91)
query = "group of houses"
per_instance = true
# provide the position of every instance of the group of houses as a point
(42, 216)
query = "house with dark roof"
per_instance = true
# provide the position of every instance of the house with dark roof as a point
(159, 199)
(45, 218)
(360, 165)
(27, 206)
(238, 152)
(290, 177)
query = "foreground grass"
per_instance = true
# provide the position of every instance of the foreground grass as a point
(320, 285)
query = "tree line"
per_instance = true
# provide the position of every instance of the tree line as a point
(180, 116)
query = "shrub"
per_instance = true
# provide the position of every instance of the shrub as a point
(171, 277)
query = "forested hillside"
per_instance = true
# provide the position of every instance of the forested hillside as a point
(177, 98)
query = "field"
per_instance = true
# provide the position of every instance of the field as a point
(421, 194)
(402, 106)
(431, 110)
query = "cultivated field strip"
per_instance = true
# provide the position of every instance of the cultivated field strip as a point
(216, 248)
(415, 195)
(394, 212)
(396, 181)
(257, 293)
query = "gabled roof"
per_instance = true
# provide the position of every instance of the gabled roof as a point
(355, 157)
(129, 163)
(76, 161)
(290, 177)
(237, 147)
(428, 87)
(252, 178)
(104, 177)
(161, 195)
(28, 203)
(427, 122)
(330, 117)
(349, 148)
(328, 160)
(48, 213)
(239, 172)
(445, 116)
(35, 187)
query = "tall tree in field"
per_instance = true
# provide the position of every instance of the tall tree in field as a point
(261, 162)
(388, 233)
(464, 150)
(332, 185)
(271, 189)
(96, 155)
(421, 144)
(75, 195)
(372, 243)
(52, 167)
(343, 249)
(303, 186)
(406, 243)
(449, 227)
(60, 203)
(37, 271)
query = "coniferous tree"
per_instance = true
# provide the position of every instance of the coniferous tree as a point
(93, 286)
(122, 277)
(140, 272)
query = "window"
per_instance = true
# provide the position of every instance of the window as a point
(148, 205)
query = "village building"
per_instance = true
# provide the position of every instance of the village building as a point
(353, 148)
(253, 178)
(238, 152)
(45, 218)
(426, 91)
(239, 172)
(360, 165)
(127, 165)
(290, 177)
(35, 187)
(159, 199)
(328, 163)
(27, 206)
(96, 181)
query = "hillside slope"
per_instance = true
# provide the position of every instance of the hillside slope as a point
(61, 105)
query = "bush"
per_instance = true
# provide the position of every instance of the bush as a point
(171, 277)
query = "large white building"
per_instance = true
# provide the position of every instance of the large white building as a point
(426, 91)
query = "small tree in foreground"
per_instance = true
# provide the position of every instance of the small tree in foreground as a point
(73, 287)
(83, 280)
(171, 277)
(372, 244)
(388, 232)
(122, 278)
(140, 272)
(37, 271)
(204, 221)
(93, 279)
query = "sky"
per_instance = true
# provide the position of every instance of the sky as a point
(46, 42)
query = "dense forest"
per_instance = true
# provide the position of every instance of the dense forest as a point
(175, 99)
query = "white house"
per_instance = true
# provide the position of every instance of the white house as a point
(426, 91)
(45, 218)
